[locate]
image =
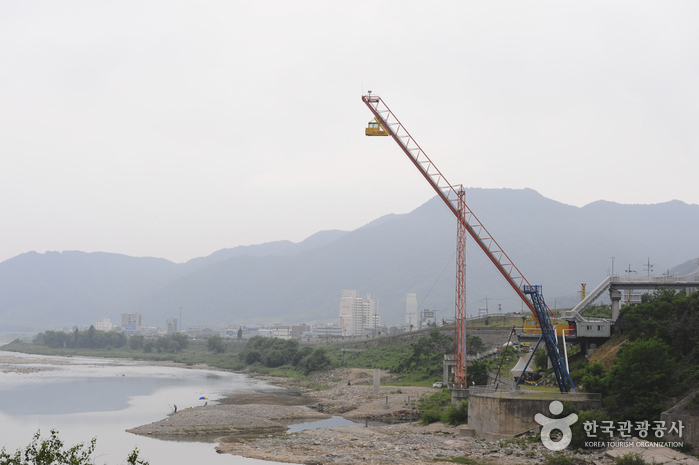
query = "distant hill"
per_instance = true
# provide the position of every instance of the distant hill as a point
(553, 244)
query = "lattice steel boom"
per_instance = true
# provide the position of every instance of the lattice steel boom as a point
(453, 197)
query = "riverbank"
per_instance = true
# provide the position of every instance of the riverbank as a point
(254, 425)
(257, 424)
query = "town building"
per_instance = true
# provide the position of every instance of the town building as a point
(104, 325)
(298, 331)
(131, 322)
(358, 316)
(327, 330)
(172, 326)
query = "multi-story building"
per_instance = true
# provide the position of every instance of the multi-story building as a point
(131, 322)
(172, 326)
(357, 315)
(298, 330)
(104, 325)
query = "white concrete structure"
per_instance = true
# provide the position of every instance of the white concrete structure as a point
(411, 311)
(282, 332)
(104, 325)
(358, 315)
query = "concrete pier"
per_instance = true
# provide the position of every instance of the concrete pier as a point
(497, 414)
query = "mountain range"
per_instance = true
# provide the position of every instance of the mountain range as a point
(553, 244)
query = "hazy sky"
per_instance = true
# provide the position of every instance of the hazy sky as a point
(173, 129)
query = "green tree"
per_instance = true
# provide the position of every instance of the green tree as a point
(595, 379)
(181, 342)
(540, 359)
(474, 344)
(478, 372)
(136, 342)
(274, 358)
(252, 356)
(598, 311)
(273, 352)
(427, 354)
(51, 451)
(216, 344)
(240, 333)
(640, 377)
(301, 354)
(90, 337)
(148, 346)
(317, 361)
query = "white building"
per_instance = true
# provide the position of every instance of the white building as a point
(358, 316)
(104, 325)
(282, 332)
(411, 315)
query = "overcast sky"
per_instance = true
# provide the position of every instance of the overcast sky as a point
(173, 129)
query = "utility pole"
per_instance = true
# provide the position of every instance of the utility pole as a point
(613, 258)
(649, 267)
(180, 328)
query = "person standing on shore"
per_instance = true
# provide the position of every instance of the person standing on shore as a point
(175, 408)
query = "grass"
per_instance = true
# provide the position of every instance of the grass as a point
(540, 388)
(523, 442)
(497, 321)
(384, 358)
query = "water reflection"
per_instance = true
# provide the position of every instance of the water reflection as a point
(86, 395)
(84, 398)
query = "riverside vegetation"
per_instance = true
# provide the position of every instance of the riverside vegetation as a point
(51, 451)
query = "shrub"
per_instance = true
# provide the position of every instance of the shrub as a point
(252, 357)
(216, 345)
(558, 458)
(429, 417)
(317, 361)
(457, 415)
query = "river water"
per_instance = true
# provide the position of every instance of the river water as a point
(84, 398)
